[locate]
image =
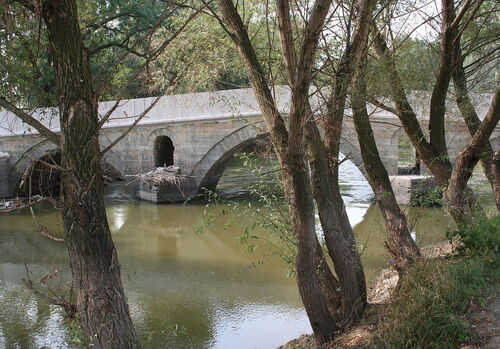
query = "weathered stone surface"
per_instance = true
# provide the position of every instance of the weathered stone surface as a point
(206, 129)
(168, 193)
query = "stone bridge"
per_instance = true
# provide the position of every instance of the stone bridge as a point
(199, 133)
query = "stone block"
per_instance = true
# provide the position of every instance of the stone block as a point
(168, 193)
(406, 186)
(5, 189)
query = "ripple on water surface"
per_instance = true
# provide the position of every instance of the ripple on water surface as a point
(184, 290)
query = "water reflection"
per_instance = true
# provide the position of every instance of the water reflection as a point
(184, 290)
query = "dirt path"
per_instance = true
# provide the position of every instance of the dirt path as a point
(486, 323)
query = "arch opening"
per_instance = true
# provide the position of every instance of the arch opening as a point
(163, 151)
(213, 175)
(248, 166)
(211, 168)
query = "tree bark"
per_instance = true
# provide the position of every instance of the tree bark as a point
(342, 250)
(324, 161)
(101, 302)
(400, 243)
(472, 120)
(339, 238)
(440, 166)
(289, 149)
(443, 77)
(458, 196)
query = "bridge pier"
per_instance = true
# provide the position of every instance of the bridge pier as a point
(406, 187)
(168, 193)
(4, 175)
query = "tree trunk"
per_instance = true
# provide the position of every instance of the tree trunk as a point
(495, 168)
(472, 120)
(440, 166)
(339, 239)
(443, 77)
(458, 196)
(289, 148)
(308, 279)
(400, 244)
(101, 303)
(324, 161)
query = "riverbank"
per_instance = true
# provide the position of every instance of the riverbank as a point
(449, 299)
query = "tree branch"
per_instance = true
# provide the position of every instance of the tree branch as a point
(127, 131)
(28, 119)
(20, 207)
(381, 105)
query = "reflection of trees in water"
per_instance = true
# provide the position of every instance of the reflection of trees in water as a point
(195, 322)
(168, 230)
(21, 243)
(26, 322)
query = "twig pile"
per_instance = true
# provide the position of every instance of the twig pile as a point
(161, 176)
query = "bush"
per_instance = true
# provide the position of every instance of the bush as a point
(428, 309)
(423, 197)
(479, 238)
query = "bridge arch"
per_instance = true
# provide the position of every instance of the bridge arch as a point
(210, 168)
(353, 154)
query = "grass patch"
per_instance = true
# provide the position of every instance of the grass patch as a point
(428, 309)
(482, 237)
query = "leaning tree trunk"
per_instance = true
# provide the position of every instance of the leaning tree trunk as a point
(400, 244)
(472, 121)
(346, 259)
(101, 302)
(458, 196)
(440, 166)
(295, 179)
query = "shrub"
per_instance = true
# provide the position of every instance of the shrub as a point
(479, 238)
(424, 197)
(428, 309)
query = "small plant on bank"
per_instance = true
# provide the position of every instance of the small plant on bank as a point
(426, 198)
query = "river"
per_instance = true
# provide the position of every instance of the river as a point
(185, 290)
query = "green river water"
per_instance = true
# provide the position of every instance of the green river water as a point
(184, 290)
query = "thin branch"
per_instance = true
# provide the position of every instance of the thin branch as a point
(464, 10)
(381, 105)
(70, 308)
(25, 117)
(108, 114)
(43, 229)
(139, 118)
(21, 207)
